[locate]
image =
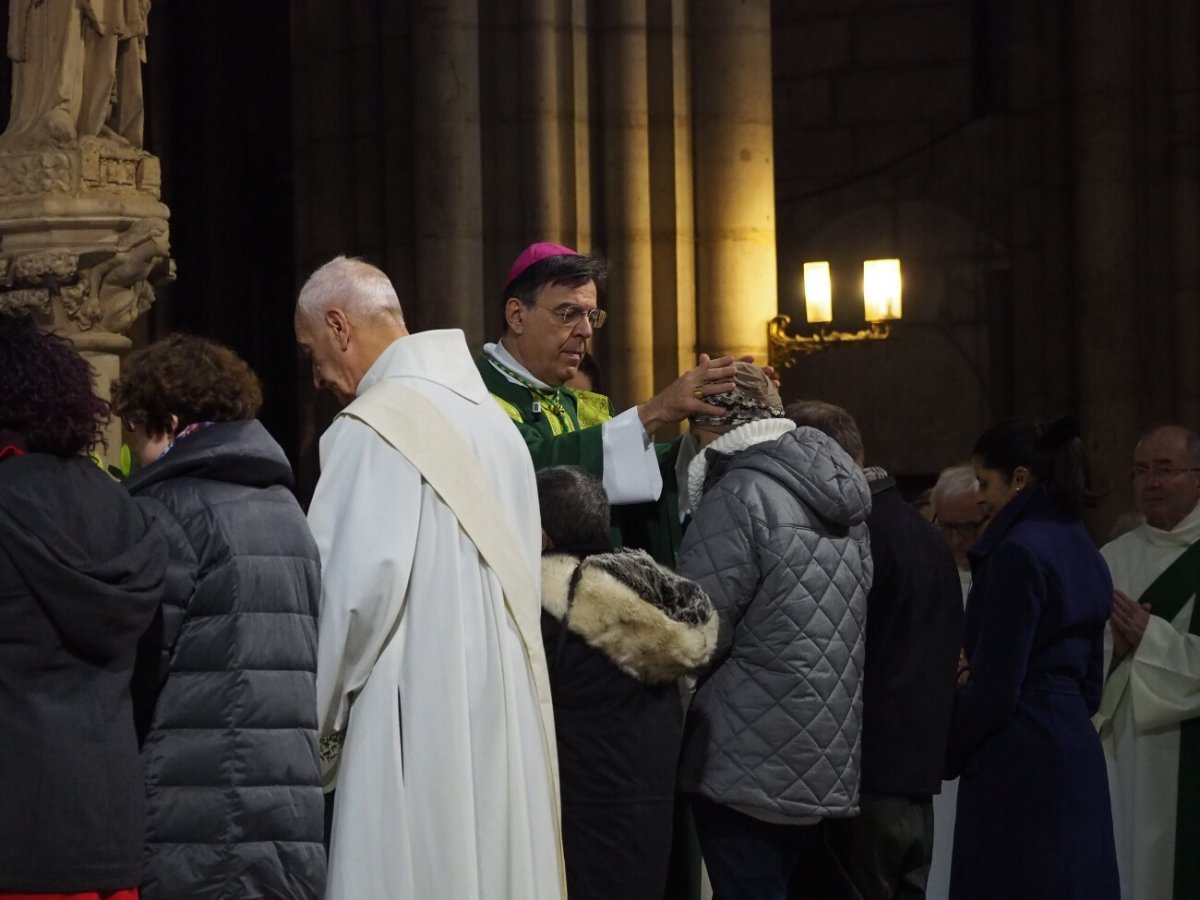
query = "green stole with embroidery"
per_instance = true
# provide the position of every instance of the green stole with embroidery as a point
(571, 438)
(550, 421)
(1167, 596)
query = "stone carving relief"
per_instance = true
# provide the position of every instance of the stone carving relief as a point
(93, 164)
(36, 173)
(119, 288)
(106, 287)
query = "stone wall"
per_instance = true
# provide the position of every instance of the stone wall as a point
(1034, 166)
(880, 154)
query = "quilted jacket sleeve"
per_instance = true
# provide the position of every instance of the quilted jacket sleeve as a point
(719, 552)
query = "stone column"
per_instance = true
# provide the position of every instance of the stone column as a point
(1104, 221)
(580, 129)
(547, 82)
(735, 176)
(624, 122)
(448, 255)
(103, 353)
(671, 197)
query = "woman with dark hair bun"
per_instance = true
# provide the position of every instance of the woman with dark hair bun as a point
(226, 697)
(1033, 810)
(81, 574)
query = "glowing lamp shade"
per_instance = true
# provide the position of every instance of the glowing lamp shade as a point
(881, 289)
(818, 293)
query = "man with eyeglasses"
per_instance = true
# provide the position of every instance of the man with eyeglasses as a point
(1148, 718)
(959, 516)
(550, 315)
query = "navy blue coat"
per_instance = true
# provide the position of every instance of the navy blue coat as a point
(1033, 808)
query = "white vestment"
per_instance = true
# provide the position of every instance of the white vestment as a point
(445, 785)
(1145, 698)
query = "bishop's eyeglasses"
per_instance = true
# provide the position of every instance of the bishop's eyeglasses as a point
(572, 314)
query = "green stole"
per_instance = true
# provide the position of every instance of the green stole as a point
(562, 432)
(554, 431)
(1167, 596)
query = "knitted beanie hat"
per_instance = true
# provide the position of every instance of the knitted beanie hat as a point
(754, 396)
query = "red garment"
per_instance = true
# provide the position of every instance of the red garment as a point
(12, 443)
(125, 894)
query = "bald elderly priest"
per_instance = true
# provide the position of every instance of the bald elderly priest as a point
(433, 696)
(550, 314)
(1148, 717)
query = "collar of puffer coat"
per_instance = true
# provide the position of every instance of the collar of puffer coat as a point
(650, 622)
(740, 438)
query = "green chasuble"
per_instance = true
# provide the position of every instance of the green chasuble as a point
(561, 428)
(1167, 596)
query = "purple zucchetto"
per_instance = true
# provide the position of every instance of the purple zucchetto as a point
(532, 254)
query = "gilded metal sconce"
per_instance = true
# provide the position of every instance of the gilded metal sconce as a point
(881, 305)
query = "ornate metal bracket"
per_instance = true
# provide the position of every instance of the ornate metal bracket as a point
(784, 348)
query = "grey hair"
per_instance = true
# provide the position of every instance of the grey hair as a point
(955, 481)
(1191, 440)
(575, 512)
(831, 419)
(352, 285)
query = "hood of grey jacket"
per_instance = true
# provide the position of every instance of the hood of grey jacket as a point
(810, 465)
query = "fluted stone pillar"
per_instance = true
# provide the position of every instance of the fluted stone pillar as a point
(580, 130)
(735, 175)
(1105, 217)
(624, 123)
(546, 91)
(448, 194)
(671, 195)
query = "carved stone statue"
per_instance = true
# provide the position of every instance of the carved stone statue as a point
(83, 232)
(76, 71)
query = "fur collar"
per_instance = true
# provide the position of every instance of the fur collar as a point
(744, 436)
(650, 622)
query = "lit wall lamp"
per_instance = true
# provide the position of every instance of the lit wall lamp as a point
(881, 305)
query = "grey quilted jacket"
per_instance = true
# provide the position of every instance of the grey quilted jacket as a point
(779, 542)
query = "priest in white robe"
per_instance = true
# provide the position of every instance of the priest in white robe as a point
(433, 700)
(1148, 716)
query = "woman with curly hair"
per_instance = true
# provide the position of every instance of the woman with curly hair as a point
(226, 697)
(81, 575)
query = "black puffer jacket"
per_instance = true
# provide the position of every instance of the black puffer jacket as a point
(81, 575)
(226, 691)
(619, 629)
